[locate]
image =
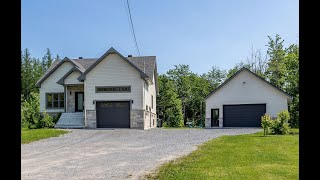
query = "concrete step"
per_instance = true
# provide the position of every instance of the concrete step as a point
(68, 127)
(71, 120)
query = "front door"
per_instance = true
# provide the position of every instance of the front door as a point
(214, 117)
(79, 101)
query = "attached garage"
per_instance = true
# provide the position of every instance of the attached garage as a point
(242, 99)
(113, 114)
(243, 115)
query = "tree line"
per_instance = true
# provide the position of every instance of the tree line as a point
(32, 69)
(182, 92)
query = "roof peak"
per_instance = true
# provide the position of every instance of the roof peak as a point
(238, 72)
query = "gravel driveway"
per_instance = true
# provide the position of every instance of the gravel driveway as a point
(112, 154)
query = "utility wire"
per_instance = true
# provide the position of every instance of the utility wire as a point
(127, 13)
(132, 28)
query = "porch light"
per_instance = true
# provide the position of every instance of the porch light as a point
(70, 92)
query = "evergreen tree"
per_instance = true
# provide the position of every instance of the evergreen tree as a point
(26, 73)
(47, 60)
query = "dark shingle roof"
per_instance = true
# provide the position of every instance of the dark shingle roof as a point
(86, 63)
(148, 61)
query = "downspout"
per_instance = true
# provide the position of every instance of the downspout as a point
(65, 98)
(84, 104)
(143, 103)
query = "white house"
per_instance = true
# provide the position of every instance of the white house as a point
(242, 99)
(112, 91)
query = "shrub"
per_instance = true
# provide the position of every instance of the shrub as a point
(46, 121)
(30, 111)
(165, 124)
(266, 123)
(181, 123)
(281, 125)
(284, 116)
(173, 117)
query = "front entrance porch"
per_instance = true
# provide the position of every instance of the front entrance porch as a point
(73, 117)
(75, 98)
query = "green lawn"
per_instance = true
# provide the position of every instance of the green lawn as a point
(30, 135)
(238, 157)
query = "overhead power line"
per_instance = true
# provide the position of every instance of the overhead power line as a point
(128, 11)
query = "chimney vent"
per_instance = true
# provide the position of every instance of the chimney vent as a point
(129, 55)
(80, 57)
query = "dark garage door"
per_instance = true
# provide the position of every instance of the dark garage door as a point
(115, 114)
(244, 115)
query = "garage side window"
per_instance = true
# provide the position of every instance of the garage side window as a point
(54, 100)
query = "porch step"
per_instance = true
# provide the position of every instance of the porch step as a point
(68, 127)
(71, 121)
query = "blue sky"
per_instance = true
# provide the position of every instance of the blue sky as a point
(200, 34)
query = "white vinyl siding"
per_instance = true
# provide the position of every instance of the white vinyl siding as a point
(50, 86)
(253, 91)
(147, 95)
(72, 78)
(113, 71)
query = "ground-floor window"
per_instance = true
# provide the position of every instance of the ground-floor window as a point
(55, 100)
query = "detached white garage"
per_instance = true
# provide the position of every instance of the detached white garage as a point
(242, 99)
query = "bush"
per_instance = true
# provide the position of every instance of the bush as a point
(165, 124)
(174, 117)
(266, 123)
(281, 125)
(284, 116)
(46, 121)
(30, 111)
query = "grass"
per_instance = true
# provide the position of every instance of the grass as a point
(31, 135)
(238, 157)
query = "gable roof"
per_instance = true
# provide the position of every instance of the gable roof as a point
(113, 51)
(145, 65)
(246, 69)
(55, 66)
(61, 81)
(86, 63)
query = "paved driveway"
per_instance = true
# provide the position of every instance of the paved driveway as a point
(112, 154)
